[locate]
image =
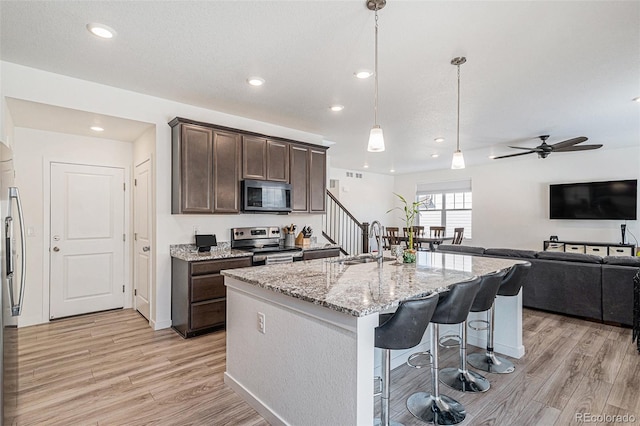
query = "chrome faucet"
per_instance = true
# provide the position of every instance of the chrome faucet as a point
(375, 225)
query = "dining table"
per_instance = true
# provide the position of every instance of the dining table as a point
(432, 241)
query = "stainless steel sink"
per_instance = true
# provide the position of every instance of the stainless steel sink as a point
(366, 258)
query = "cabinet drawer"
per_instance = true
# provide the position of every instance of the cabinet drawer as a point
(555, 247)
(215, 266)
(207, 287)
(620, 251)
(597, 250)
(320, 254)
(208, 314)
(574, 248)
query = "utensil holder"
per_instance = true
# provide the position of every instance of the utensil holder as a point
(289, 240)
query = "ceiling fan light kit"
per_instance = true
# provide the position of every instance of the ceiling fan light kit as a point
(376, 137)
(457, 162)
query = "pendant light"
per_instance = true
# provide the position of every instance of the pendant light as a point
(376, 138)
(458, 160)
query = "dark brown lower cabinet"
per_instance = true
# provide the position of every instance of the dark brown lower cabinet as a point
(320, 253)
(198, 294)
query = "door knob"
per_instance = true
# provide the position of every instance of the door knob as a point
(56, 249)
(146, 248)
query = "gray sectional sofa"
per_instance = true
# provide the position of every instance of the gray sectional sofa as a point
(583, 285)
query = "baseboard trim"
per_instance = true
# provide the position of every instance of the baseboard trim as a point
(160, 325)
(262, 409)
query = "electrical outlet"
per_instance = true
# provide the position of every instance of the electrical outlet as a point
(195, 229)
(261, 324)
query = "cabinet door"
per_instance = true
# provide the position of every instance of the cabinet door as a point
(254, 158)
(299, 174)
(317, 180)
(278, 161)
(226, 169)
(196, 180)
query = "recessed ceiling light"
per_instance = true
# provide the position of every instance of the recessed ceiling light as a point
(100, 30)
(637, 99)
(435, 155)
(439, 140)
(392, 170)
(492, 157)
(255, 81)
(336, 108)
(363, 74)
(366, 166)
(97, 128)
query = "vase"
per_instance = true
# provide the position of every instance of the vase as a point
(409, 256)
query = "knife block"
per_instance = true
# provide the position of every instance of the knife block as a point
(303, 242)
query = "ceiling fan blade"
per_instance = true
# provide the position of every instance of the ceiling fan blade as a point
(513, 155)
(528, 149)
(578, 148)
(568, 142)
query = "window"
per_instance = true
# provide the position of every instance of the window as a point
(447, 204)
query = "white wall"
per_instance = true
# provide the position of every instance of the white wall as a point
(33, 152)
(39, 86)
(511, 199)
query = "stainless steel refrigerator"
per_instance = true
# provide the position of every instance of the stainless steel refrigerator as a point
(12, 273)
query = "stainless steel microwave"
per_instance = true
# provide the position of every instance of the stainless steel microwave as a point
(266, 196)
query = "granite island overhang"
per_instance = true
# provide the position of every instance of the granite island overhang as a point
(300, 336)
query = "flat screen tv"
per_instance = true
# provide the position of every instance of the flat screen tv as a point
(617, 200)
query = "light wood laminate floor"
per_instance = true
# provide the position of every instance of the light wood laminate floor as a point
(112, 369)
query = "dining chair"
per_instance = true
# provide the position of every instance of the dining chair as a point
(436, 231)
(391, 236)
(418, 232)
(458, 233)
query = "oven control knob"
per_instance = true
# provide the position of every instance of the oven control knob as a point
(275, 231)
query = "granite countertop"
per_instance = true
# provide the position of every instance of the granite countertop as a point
(365, 288)
(189, 252)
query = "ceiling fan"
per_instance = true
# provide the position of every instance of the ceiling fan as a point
(543, 150)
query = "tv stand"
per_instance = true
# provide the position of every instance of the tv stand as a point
(599, 248)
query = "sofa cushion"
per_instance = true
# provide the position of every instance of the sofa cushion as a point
(457, 248)
(568, 257)
(622, 260)
(505, 252)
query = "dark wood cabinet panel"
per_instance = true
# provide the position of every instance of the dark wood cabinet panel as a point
(299, 174)
(198, 294)
(196, 153)
(317, 180)
(277, 161)
(254, 158)
(205, 169)
(226, 171)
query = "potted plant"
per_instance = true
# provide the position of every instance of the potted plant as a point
(410, 211)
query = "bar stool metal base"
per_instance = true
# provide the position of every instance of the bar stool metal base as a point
(442, 410)
(464, 381)
(490, 363)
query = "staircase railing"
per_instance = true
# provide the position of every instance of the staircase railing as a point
(340, 227)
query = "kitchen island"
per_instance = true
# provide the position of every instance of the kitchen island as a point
(300, 336)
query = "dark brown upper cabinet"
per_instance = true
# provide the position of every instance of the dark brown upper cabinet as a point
(210, 161)
(205, 169)
(308, 178)
(264, 159)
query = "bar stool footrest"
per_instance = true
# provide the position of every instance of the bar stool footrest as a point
(473, 326)
(417, 355)
(456, 341)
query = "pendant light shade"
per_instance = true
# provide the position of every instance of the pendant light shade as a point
(376, 138)
(457, 162)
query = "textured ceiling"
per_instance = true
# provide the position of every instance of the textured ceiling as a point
(562, 68)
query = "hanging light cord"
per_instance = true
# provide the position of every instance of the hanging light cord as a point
(458, 131)
(375, 106)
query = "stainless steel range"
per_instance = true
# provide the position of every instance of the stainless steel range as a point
(265, 244)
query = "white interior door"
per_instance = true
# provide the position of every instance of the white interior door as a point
(87, 239)
(142, 237)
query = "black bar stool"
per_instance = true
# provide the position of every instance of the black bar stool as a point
(453, 308)
(402, 329)
(489, 362)
(461, 378)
